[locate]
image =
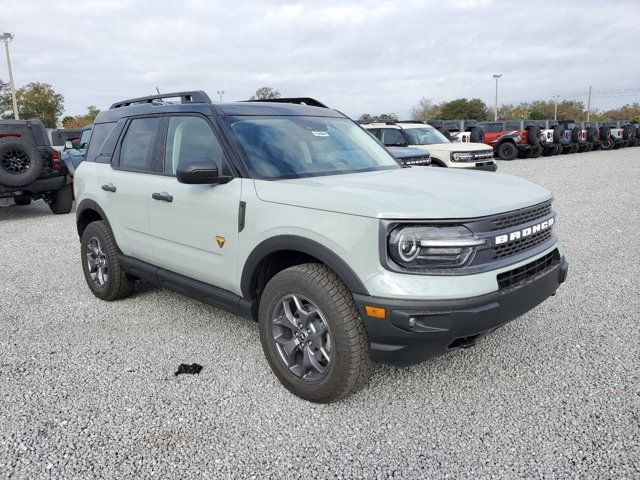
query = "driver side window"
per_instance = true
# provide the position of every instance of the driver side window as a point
(190, 138)
(392, 137)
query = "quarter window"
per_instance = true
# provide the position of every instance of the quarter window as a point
(99, 135)
(137, 151)
(190, 138)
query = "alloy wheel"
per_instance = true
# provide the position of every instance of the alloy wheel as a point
(15, 161)
(301, 336)
(97, 262)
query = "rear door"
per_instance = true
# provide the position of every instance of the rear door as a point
(195, 227)
(135, 164)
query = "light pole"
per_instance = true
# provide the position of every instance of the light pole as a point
(495, 108)
(6, 38)
(220, 93)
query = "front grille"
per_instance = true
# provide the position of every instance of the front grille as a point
(520, 275)
(517, 246)
(521, 217)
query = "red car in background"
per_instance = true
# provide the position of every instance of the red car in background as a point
(513, 138)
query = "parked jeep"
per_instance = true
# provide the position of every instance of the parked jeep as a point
(590, 134)
(575, 137)
(30, 168)
(513, 138)
(60, 136)
(459, 130)
(292, 215)
(444, 153)
(551, 133)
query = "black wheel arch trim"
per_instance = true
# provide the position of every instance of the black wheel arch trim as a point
(86, 205)
(302, 245)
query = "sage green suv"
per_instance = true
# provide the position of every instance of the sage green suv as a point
(289, 213)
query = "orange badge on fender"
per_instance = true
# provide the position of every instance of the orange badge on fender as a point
(220, 241)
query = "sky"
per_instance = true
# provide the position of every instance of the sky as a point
(356, 56)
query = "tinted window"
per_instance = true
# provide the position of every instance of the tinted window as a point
(392, 137)
(100, 132)
(190, 138)
(137, 150)
(291, 147)
(492, 127)
(512, 126)
(425, 136)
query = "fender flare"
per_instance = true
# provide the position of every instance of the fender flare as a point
(437, 162)
(302, 245)
(86, 205)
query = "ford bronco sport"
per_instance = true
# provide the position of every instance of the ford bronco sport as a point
(30, 168)
(292, 215)
(444, 153)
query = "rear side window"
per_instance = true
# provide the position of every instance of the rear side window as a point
(512, 126)
(391, 137)
(191, 138)
(492, 127)
(137, 152)
(98, 136)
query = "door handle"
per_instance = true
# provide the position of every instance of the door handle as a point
(163, 197)
(109, 188)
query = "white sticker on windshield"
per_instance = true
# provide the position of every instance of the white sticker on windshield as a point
(321, 134)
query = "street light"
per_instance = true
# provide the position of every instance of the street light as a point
(220, 93)
(6, 38)
(495, 108)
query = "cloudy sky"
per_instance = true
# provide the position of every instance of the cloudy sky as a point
(357, 56)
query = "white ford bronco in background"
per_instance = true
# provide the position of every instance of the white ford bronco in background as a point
(289, 213)
(444, 153)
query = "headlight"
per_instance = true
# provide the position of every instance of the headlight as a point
(424, 247)
(461, 157)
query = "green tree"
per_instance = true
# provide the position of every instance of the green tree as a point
(80, 121)
(514, 112)
(365, 117)
(464, 108)
(425, 110)
(35, 100)
(387, 117)
(6, 108)
(266, 93)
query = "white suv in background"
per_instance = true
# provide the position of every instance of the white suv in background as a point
(444, 153)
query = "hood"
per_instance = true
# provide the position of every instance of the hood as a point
(406, 152)
(455, 147)
(409, 193)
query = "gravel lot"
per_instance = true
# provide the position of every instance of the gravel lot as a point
(87, 388)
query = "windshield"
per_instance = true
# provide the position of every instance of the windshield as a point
(425, 136)
(293, 147)
(60, 138)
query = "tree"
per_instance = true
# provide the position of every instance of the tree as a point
(514, 112)
(6, 107)
(425, 110)
(365, 117)
(35, 100)
(463, 108)
(80, 121)
(266, 93)
(387, 117)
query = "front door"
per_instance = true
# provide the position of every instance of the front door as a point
(195, 227)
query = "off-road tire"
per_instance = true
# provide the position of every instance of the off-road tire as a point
(351, 363)
(558, 133)
(22, 201)
(507, 151)
(533, 135)
(476, 135)
(537, 151)
(10, 148)
(549, 151)
(62, 201)
(119, 284)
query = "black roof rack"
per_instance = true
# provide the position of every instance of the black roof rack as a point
(310, 102)
(196, 96)
(409, 121)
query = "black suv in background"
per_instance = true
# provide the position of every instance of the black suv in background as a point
(30, 168)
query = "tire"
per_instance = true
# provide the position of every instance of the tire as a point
(533, 134)
(627, 133)
(445, 132)
(22, 201)
(558, 133)
(575, 135)
(507, 151)
(20, 162)
(592, 134)
(117, 283)
(522, 154)
(547, 152)
(62, 201)
(537, 151)
(350, 366)
(558, 150)
(476, 135)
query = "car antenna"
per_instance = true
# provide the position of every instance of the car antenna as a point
(158, 90)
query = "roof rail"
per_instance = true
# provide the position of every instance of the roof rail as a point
(196, 96)
(386, 122)
(311, 102)
(409, 121)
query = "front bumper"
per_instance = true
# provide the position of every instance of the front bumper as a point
(417, 330)
(41, 185)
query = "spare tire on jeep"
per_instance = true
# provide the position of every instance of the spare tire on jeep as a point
(575, 134)
(592, 134)
(445, 132)
(533, 135)
(20, 162)
(476, 135)
(626, 132)
(558, 132)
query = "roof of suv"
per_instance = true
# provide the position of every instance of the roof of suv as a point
(199, 102)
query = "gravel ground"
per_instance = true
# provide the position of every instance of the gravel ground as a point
(87, 388)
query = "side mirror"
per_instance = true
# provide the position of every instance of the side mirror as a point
(68, 145)
(199, 171)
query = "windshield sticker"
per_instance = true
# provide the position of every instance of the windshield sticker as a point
(320, 134)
